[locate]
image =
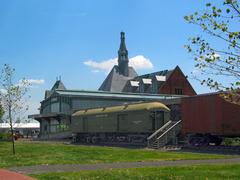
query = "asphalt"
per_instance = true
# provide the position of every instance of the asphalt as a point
(81, 167)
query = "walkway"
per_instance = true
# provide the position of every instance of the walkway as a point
(79, 167)
(8, 175)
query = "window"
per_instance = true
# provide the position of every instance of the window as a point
(45, 127)
(178, 91)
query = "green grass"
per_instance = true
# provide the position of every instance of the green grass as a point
(34, 153)
(205, 172)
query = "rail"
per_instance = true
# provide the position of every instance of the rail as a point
(151, 139)
(168, 135)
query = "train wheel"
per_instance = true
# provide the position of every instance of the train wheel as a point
(218, 141)
(199, 141)
(94, 140)
(87, 139)
(194, 141)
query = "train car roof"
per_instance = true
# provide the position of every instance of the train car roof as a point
(123, 108)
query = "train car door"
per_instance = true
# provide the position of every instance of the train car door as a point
(159, 119)
(152, 117)
(122, 123)
(85, 124)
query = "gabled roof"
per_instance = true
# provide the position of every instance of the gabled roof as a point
(115, 82)
(177, 68)
(58, 85)
(166, 73)
(160, 76)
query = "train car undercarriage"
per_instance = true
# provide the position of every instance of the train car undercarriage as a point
(115, 138)
(204, 140)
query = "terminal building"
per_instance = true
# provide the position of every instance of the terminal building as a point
(121, 86)
(123, 78)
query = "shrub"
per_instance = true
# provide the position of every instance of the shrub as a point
(232, 141)
(5, 136)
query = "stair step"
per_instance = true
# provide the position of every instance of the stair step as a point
(169, 134)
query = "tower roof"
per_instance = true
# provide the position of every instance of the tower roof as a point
(58, 85)
(115, 82)
(122, 44)
(120, 74)
(123, 57)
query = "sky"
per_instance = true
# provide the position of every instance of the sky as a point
(79, 39)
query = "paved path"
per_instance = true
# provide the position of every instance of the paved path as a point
(9, 175)
(79, 167)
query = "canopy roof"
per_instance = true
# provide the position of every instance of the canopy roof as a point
(123, 108)
(20, 125)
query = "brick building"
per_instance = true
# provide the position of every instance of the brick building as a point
(123, 78)
(121, 86)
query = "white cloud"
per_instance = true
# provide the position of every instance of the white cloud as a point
(137, 62)
(140, 62)
(95, 71)
(36, 81)
(101, 66)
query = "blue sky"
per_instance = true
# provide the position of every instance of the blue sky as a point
(44, 39)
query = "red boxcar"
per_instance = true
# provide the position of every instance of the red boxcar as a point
(210, 114)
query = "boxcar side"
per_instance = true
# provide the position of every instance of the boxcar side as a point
(211, 116)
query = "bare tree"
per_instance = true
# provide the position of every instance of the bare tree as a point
(13, 97)
(217, 50)
(1, 112)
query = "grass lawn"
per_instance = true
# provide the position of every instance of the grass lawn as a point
(205, 172)
(34, 153)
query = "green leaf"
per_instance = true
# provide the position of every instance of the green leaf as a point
(186, 18)
(208, 4)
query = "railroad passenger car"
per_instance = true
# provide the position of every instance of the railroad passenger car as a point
(208, 118)
(130, 123)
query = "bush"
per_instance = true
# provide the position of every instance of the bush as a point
(5, 136)
(232, 141)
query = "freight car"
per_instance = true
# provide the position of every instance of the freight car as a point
(131, 123)
(208, 118)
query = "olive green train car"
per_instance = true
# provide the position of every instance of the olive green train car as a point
(131, 123)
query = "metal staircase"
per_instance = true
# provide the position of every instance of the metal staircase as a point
(164, 135)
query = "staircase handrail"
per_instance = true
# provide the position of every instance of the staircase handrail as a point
(159, 130)
(169, 129)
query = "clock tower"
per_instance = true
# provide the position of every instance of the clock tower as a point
(123, 57)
